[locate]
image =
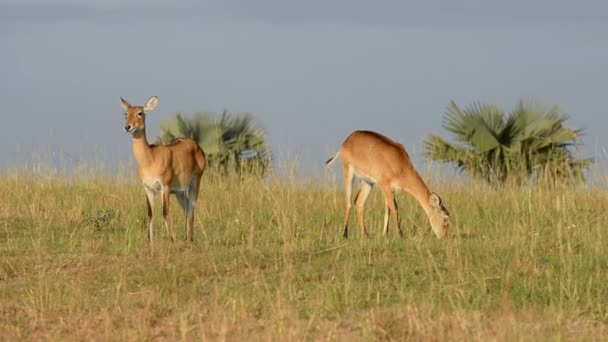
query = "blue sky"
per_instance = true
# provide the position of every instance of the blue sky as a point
(310, 71)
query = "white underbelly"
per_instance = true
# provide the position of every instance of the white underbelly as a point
(152, 184)
(364, 177)
(155, 185)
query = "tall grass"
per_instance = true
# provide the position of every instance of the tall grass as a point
(268, 262)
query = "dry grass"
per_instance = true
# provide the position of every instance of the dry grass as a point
(268, 263)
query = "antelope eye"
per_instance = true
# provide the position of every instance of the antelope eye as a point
(140, 114)
(125, 114)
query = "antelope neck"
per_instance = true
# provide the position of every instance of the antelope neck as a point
(421, 193)
(141, 149)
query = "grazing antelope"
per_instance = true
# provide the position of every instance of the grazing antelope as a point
(376, 159)
(174, 168)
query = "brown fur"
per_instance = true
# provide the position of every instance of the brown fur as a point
(376, 159)
(173, 168)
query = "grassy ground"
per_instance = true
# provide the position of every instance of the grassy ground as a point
(269, 263)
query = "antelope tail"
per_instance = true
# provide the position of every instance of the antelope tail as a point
(331, 160)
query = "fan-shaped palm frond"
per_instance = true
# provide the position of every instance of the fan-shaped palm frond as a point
(230, 142)
(530, 141)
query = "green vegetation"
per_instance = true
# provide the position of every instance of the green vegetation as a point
(531, 143)
(269, 263)
(234, 144)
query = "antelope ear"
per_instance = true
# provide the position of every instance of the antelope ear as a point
(125, 104)
(151, 104)
(435, 201)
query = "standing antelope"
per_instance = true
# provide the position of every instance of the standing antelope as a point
(174, 168)
(376, 159)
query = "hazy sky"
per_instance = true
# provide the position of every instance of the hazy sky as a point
(311, 71)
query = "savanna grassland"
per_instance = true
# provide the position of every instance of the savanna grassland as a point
(269, 263)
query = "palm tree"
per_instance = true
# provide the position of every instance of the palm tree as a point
(529, 143)
(232, 143)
